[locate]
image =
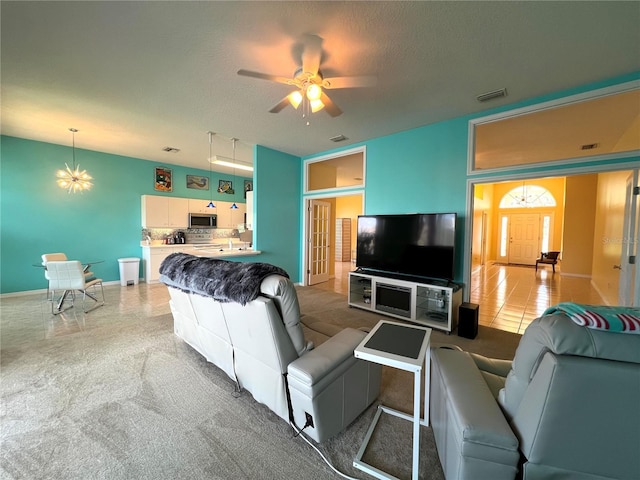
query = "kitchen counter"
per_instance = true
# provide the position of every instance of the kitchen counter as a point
(154, 254)
(204, 250)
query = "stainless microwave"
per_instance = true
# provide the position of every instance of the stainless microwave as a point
(203, 220)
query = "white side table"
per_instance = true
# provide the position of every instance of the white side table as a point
(405, 347)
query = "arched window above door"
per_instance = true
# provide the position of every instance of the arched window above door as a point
(528, 196)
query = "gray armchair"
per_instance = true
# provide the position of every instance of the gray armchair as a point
(565, 407)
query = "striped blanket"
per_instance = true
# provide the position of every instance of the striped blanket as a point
(600, 317)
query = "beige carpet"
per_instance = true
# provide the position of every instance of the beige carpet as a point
(129, 400)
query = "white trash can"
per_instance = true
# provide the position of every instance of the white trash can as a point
(129, 271)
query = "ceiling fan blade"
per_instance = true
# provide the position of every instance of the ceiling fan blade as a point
(350, 82)
(331, 108)
(311, 54)
(283, 103)
(265, 76)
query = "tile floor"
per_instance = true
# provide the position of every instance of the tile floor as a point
(26, 319)
(509, 296)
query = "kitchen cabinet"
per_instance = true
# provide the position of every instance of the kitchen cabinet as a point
(152, 258)
(228, 217)
(164, 212)
(223, 209)
(199, 205)
(178, 212)
(155, 211)
(237, 216)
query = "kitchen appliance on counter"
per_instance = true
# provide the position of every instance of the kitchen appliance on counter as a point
(179, 238)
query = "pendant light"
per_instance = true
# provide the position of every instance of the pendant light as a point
(211, 204)
(73, 179)
(234, 140)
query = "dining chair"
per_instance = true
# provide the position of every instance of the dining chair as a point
(57, 257)
(51, 257)
(69, 276)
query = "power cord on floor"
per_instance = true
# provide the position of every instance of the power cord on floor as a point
(299, 434)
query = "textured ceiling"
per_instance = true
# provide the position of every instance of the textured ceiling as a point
(134, 77)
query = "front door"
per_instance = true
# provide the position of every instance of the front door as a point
(318, 241)
(524, 238)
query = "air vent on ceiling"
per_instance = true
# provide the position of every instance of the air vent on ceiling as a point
(338, 138)
(171, 149)
(485, 97)
(588, 146)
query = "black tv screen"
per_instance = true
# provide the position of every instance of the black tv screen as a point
(420, 245)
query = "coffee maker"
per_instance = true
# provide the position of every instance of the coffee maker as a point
(179, 238)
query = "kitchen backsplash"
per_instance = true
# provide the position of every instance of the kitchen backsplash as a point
(192, 235)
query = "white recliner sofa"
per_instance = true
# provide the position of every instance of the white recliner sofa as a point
(258, 342)
(566, 407)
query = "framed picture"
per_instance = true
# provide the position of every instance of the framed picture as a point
(248, 187)
(225, 186)
(163, 179)
(197, 182)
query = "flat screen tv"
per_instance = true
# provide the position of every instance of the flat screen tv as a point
(421, 245)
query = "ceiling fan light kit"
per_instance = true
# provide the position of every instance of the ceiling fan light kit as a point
(309, 82)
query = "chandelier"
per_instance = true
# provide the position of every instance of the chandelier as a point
(72, 179)
(529, 196)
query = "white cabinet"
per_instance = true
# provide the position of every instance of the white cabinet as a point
(164, 212)
(237, 215)
(230, 217)
(153, 257)
(178, 213)
(199, 205)
(155, 211)
(223, 210)
(428, 304)
(172, 212)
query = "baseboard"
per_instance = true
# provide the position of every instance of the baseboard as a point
(44, 290)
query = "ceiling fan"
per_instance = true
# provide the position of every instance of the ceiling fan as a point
(309, 83)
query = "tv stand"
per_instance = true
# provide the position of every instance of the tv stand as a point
(433, 303)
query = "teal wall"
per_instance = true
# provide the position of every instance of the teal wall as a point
(419, 170)
(277, 191)
(37, 216)
(425, 169)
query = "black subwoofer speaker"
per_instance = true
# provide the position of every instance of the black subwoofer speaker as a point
(468, 320)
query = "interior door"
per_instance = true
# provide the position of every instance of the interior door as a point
(319, 241)
(629, 289)
(524, 238)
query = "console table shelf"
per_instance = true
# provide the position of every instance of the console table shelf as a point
(428, 304)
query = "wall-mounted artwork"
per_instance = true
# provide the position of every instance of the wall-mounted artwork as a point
(248, 187)
(197, 182)
(163, 179)
(225, 186)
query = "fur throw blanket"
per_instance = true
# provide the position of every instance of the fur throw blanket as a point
(224, 280)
